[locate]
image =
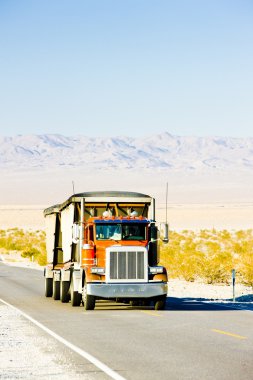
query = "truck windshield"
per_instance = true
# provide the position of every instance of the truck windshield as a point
(118, 231)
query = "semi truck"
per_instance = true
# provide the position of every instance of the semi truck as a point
(104, 245)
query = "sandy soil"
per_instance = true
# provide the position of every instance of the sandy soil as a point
(195, 200)
(199, 291)
(22, 216)
(180, 216)
(207, 216)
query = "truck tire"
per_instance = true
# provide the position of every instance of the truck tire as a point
(88, 300)
(145, 302)
(64, 291)
(56, 290)
(159, 303)
(134, 303)
(75, 297)
(48, 287)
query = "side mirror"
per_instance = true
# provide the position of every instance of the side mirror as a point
(164, 232)
(75, 233)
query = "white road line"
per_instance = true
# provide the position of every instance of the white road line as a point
(103, 367)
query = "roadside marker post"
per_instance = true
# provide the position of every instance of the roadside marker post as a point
(233, 281)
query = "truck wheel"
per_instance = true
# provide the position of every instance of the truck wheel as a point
(48, 287)
(56, 290)
(75, 297)
(160, 303)
(145, 302)
(64, 291)
(134, 303)
(88, 300)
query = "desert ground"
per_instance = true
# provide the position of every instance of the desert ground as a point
(231, 216)
(195, 200)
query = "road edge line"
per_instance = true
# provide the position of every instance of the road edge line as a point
(103, 367)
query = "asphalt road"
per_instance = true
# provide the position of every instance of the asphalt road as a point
(188, 340)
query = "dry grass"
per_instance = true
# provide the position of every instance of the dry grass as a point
(210, 255)
(30, 244)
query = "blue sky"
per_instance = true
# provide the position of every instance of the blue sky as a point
(126, 67)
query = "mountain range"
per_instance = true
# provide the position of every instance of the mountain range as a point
(160, 151)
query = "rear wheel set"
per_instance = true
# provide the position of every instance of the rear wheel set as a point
(48, 287)
(64, 291)
(160, 303)
(75, 297)
(89, 301)
(56, 290)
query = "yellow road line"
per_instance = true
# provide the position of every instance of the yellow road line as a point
(229, 334)
(150, 313)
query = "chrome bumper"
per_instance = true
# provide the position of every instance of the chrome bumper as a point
(147, 290)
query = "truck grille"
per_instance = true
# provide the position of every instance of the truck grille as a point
(127, 265)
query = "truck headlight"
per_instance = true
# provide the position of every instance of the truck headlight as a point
(98, 270)
(155, 270)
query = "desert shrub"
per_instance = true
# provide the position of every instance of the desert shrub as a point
(209, 255)
(246, 269)
(244, 250)
(31, 252)
(206, 234)
(2, 233)
(190, 266)
(30, 244)
(217, 267)
(181, 256)
(224, 235)
(42, 258)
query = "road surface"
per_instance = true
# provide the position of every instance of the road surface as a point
(188, 340)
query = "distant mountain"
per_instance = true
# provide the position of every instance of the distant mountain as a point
(161, 151)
